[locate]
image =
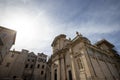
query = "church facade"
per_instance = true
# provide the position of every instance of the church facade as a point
(78, 59)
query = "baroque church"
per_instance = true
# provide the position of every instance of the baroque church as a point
(78, 59)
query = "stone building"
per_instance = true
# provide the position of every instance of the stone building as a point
(40, 67)
(23, 65)
(78, 59)
(75, 59)
(13, 65)
(29, 66)
(7, 39)
(35, 67)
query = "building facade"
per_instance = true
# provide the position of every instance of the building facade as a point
(75, 59)
(13, 65)
(7, 39)
(40, 67)
(29, 66)
(78, 59)
(23, 65)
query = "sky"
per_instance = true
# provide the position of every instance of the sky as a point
(37, 22)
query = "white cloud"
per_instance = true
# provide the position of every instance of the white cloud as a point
(36, 23)
(34, 31)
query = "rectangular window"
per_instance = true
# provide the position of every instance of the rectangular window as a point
(42, 66)
(42, 72)
(26, 66)
(28, 59)
(80, 66)
(31, 66)
(38, 65)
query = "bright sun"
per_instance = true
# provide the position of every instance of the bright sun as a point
(23, 24)
(29, 27)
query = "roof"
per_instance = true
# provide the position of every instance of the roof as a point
(15, 51)
(104, 41)
(42, 54)
(7, 28)
(1, 27)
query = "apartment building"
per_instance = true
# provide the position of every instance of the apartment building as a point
(23, 65)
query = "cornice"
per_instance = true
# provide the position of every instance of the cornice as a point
(100, 50)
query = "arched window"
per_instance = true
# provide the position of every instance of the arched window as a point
(55, 74)
(70, 75)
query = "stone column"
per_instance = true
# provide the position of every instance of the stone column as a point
(73, 65)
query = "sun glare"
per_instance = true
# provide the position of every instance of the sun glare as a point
(23, 24)
(29, 27)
